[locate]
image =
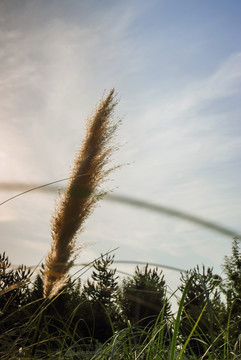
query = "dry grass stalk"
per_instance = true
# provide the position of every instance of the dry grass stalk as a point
(80, 196)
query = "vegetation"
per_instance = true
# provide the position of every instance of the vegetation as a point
(80, 196)
(100, 300)
(203, 309)
(126, 319)
(232, 290)
(143, 298)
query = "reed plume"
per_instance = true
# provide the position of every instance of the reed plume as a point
(81, 195)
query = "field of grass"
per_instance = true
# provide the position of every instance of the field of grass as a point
(35, 331)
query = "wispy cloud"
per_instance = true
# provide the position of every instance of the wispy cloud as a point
(181, 134)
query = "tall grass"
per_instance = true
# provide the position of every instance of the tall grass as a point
(81, 195)
(41, 336)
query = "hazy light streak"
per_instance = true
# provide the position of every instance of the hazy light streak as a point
(128, 201)
(173, 212)
(118, 262)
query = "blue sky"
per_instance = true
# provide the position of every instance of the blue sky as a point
(176, 66)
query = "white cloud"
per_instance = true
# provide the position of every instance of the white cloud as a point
(8, 215)
(38, 246)
(51, 76)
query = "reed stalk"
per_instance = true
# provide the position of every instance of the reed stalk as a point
(81, 194)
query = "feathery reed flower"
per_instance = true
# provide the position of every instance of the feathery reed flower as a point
(80, 196)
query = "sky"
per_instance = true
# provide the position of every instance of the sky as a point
(176, 67)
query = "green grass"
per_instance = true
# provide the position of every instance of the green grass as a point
(33, 340)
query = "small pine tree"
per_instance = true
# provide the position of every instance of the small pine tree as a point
(14, 285)
(14, 294)
(143, 297)
(100, 309)
(203, 295)
(232, 290)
